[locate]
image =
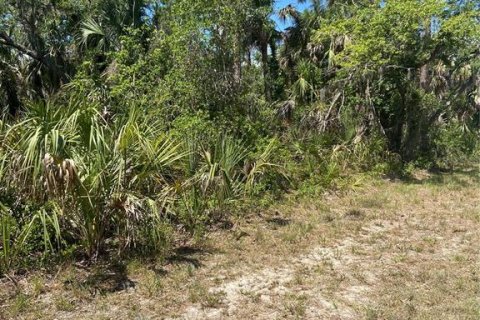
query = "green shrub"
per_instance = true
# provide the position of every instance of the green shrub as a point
(455, 144)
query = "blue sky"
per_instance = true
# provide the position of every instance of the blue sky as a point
(279, 4)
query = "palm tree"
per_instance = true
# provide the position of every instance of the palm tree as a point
(30, 34)
(104, 26)
(262, 35)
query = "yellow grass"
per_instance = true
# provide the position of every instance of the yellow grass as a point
(388, 250)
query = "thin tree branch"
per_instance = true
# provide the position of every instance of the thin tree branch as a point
(8, 41)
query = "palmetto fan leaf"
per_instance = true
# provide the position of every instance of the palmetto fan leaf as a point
(221, 168)
(94, 170)
(93, 35)
(47, 130)
(288, 12)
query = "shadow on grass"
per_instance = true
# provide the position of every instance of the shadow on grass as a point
(111, 276)
(188, 255)
(461, 177)
(102, 279)
(279, 222)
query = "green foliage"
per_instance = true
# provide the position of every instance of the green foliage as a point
(124, 122)
(22, 234)
(455, 144)
(121, 180)
(103, 178)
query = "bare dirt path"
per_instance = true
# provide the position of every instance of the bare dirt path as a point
(388, 250)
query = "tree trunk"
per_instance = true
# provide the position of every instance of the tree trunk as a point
(477, 93)
(237, 63)
(265, 67)
(9, 86)
(424, 77)
(424, 69)
(396, 135)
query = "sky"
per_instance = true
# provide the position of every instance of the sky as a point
(279, 4)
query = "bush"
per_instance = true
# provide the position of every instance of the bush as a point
(455, 144)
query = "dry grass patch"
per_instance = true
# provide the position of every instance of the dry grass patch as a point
(388, 250)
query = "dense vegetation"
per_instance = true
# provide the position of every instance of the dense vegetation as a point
(126, 122)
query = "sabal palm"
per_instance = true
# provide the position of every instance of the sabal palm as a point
(112, 167)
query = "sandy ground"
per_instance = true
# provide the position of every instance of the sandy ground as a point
(386, 250)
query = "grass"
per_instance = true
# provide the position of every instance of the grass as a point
(296, 306)
(198, 293)
(152, 283)
(38, 285)
(63, 304)
(19, 304)
(296, 232)
(389, 250)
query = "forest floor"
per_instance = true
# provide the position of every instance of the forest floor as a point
(386, 249)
